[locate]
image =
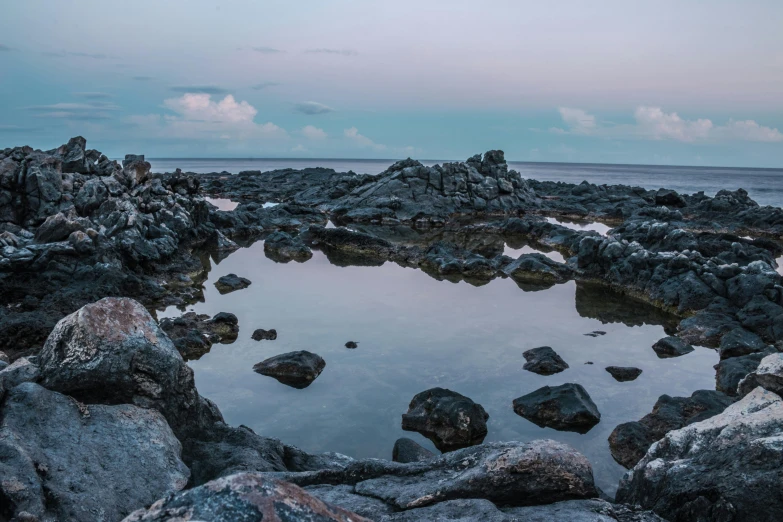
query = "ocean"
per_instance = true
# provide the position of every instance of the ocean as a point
(764, 185)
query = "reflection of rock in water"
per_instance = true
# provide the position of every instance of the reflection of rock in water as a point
(602, 303)
(342, 258)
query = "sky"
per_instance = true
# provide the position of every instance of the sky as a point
(686, 82)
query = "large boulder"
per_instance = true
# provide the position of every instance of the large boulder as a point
(566, 407)
(246, 497)
(64, 460)
(450, 420)
(728, 467)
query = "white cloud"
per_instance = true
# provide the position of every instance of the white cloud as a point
(748, 130)
(313, 133)
(200, 107)
(578, 121)
(656, 124)
(361, 140)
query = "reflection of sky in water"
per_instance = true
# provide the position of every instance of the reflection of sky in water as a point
(780, 265)
(574, 225)
(414, 333)
(527, 249)
(223, 204)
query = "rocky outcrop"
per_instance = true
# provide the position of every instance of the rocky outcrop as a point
(246, 497)
(295, 369)
(450, 420)
(728, 467)
(543, 361)
(630, 441)
(194, 334)
(65, 460)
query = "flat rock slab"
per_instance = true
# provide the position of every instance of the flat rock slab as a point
(567, 407)
(247, 497)
(407, 450)
(450, 420)
(295, 369)
(543, 361)
(671, 347)
(624, 373)
(63, 460)
(230, 283)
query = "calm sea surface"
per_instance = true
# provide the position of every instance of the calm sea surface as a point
(764, 185)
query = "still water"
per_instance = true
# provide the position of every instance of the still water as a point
(414, 333)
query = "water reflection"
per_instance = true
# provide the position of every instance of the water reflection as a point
(581, 225)
(416, 333)
(223, 204)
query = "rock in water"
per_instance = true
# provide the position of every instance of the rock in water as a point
(230, 283)
(629, 441)
(262, 335)
(543, 361)
(624, 373)
(281, 247)
(671, 347)
(352, 345)
(194, 334)
(567, 407)
(450, 420)
(295, 369)
(407, 450)
(247, 497)
(63, 460)
(728, 467)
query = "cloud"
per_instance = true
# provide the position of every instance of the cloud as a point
(63, 54)
(142, 78)
(6, 48)
(93, 95)
(264, 85)
(311, 108)
(313, 133)
(299, 148)
(75, 111)
(200, 107)
(653, 123)
(200, 89)
(267, 50)
(361, 140)
(341, 52)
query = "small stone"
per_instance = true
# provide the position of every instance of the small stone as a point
(595, 333)
(264, 335)
(543, 361)
(295, 369)
(624, 373)
(351, 344)
(231, 282)
(671, 347)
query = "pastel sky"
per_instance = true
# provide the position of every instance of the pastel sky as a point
(687, 82)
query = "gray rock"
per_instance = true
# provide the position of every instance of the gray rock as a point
(260, 334)
(450, 420)
(295, 369)
(246, 497)
(194, 334)
(768, 375)
(567, 407)
(21, 370)
(739, 342)
(282, 248)
(543, 361)
(728, 467)
(671, 347)
(344, 497)
(230, 283)
(624, 373)
(729, 372)
(64, 460)
(407, 450)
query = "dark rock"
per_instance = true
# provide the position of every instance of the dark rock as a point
(596, 333)
(245, 497)
(567, 407)
(450, 420)
(768, 375)
(193, 334)
(407, 450)
(629, 441)
(295, 369)
(671, 347)
(282, 248)
(729, 372)
(739, 342)
(64, 460)
(543, 361)
(344, 496)
(351, 344)
(264, 335)
(669, 198)
(231, 282)
(624, 373)
(727, 467)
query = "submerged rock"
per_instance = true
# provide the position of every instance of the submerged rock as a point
(543, 361)
(64, 460)
(450, 420)
(407, 450)
(246, 497)
(295, 369)
(596, 333)
(230, 283)
(629, 441)
(671, 347)
(728, 467)
(264, 335)
(624, 373)
(567, 407)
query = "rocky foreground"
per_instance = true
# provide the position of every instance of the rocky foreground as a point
(100, 418)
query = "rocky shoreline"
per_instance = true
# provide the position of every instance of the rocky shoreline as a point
(90, 248)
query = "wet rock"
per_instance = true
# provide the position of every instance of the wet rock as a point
(543, 361)
(629, 441)
(739, 342)
(295, 369)
(534, 268)
(567, 407)
(624, 373)
(230, 283)
(729, 372)
(194, 334)
(407, 450)
(64, 460)
(246, 497)
(282, 248)
(727, 467)
(352, 344)
(671, 347)
(450, 420)
(264, 335)
(505, 473)
(768, 375)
